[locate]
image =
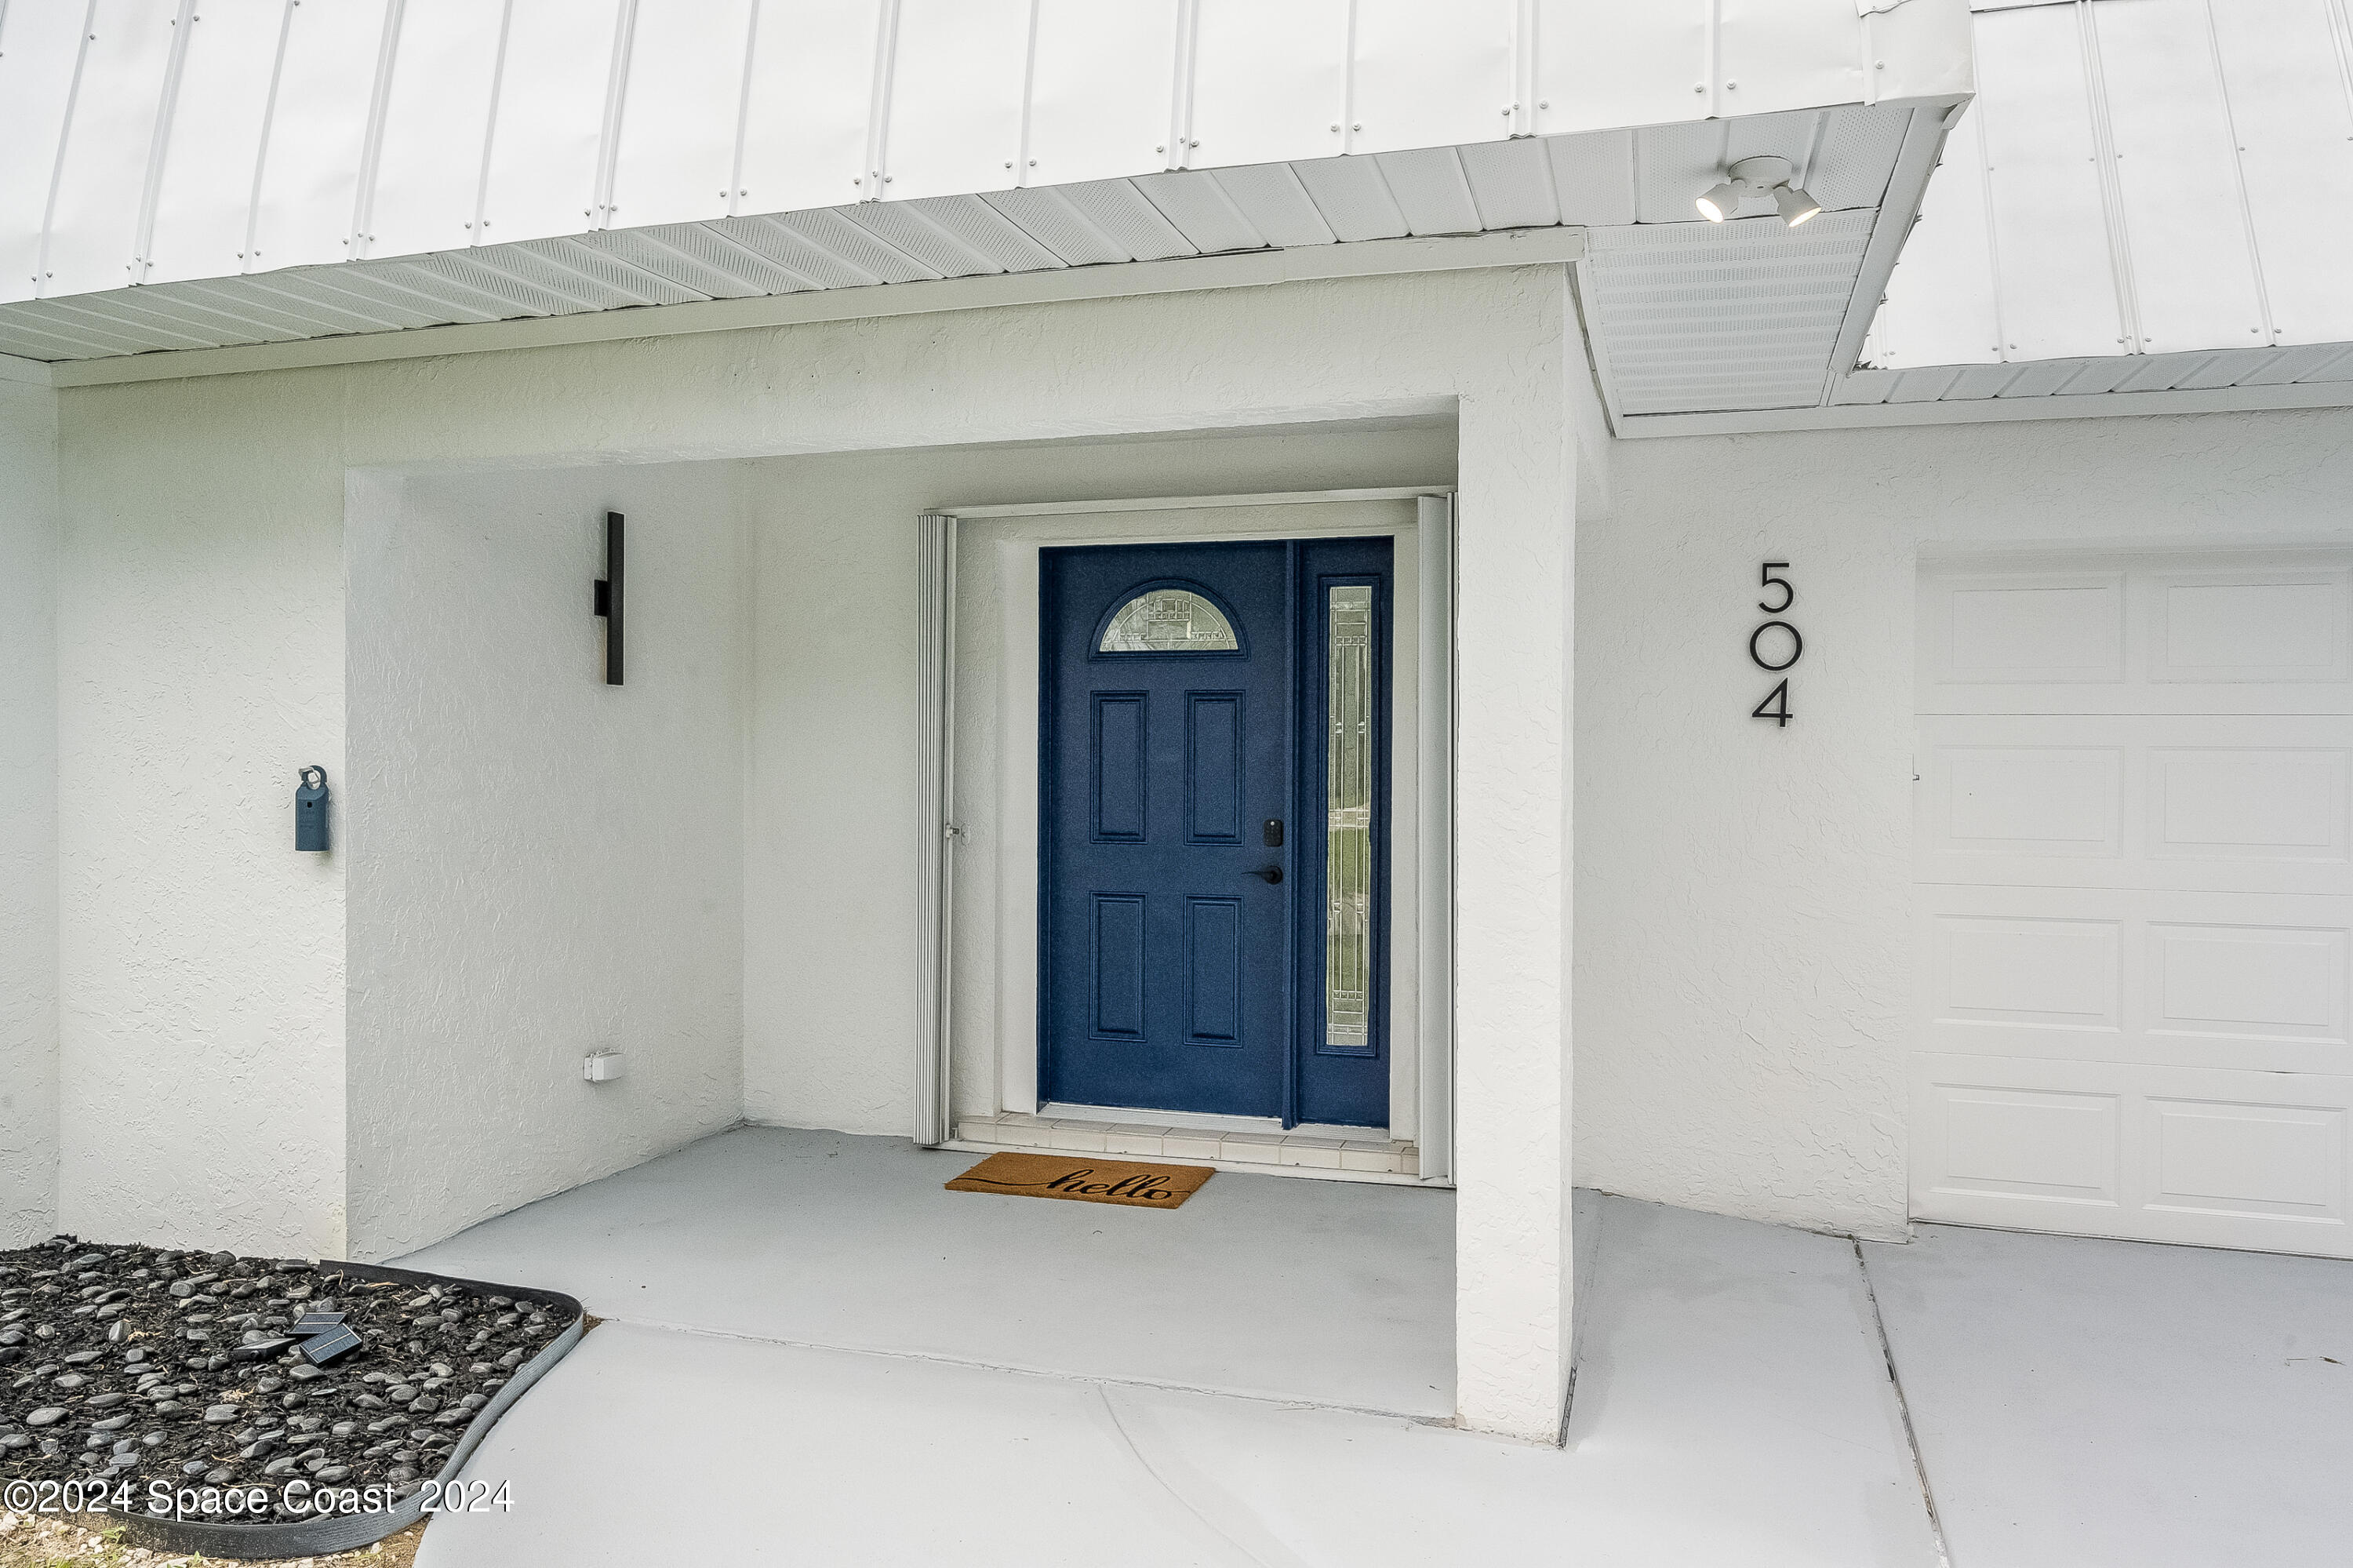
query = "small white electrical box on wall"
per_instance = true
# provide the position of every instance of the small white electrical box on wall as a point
(603, 1066)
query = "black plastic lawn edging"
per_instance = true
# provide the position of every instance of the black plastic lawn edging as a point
(335, 1532)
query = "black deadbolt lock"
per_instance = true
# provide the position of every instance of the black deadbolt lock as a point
(1275, 833)
(311, 810)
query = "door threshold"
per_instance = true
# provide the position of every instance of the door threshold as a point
(1345, 1154)
(1128, 1116)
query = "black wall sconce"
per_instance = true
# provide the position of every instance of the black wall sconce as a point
(608, 598)
(311, 810)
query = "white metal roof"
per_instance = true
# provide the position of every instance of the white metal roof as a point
(207, 174)
(2146, 196)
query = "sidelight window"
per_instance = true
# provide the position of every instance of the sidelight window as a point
(1349, 819)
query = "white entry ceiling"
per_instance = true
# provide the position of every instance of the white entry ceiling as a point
(199, 177)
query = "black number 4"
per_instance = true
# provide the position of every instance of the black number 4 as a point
(1775, 705)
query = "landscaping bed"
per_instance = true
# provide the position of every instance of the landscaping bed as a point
(167, 1379)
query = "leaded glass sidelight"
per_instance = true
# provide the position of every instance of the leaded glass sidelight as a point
(1349, 819)
(1169, 621)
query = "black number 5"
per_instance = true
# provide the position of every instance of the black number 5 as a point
(1765, 579)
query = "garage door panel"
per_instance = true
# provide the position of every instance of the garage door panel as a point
(2209, 1156)
(2271, 803)
(2254, 632)
(2027, 973)
(2288, 628)
(2248, 1159)
(2227, 802)
(1995, 1139)
(2035, 800)
(2249, 981)
(2025, 628)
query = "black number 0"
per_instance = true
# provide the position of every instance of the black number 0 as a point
(1796, 646)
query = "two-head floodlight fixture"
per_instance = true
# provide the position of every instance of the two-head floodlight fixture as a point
(1764, 175)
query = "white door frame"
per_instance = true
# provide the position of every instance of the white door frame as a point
(1429, 752)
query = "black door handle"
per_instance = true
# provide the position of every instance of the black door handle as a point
(1272, 873)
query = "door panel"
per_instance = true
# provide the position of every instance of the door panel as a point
(1214, 733)
(1165, 736)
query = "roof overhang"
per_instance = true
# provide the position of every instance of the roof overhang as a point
(2146, 211)
(326, 187)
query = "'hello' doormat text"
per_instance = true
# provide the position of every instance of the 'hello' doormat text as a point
(1085, 1179)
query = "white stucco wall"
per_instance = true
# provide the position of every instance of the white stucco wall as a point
(1743, 955)
(541, 864)
(201, 649)
(830, 888)
(28, 818)
(200, 635)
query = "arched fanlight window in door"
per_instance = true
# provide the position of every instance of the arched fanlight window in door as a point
(1168, 619)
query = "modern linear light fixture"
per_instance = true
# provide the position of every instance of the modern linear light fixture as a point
(1764, 176)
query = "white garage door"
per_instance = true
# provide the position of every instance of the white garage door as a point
(2133, 894)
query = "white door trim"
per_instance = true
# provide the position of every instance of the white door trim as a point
(1434, 756)
(1422, 969)
(935, 836)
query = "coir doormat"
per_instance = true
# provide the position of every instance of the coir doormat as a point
(1085, 1179)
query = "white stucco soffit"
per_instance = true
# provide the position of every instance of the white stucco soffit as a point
(222, 179)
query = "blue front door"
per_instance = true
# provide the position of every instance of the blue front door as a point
(1213, 791)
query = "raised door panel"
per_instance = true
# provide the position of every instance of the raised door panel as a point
(2259, 631)
(1116, 933)
(1214, 762)
(1213, 971)
(2234, 803)
(2206, 1156)
(1120, 768)
(2252, 626)
(2247, 982)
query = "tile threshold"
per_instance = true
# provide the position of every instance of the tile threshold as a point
(1239, 1167)
(1376, 1161)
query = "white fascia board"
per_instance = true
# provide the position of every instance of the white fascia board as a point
(1916, 165)
(1247, 269)
(1992, 410)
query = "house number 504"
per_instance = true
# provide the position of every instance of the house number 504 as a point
(1774, 645)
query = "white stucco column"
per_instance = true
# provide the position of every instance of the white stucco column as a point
(1515, 548)
(28, 812)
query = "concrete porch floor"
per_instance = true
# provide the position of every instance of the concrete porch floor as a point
(2089, 1403)
(1336, 1293)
